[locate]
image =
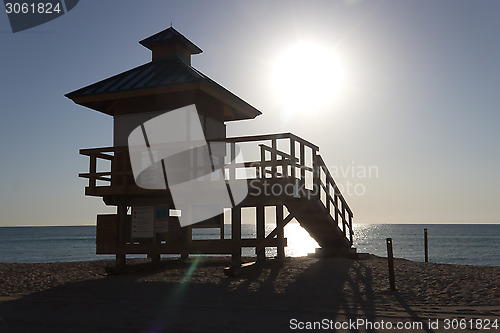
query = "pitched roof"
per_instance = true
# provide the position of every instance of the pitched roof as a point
(158, 73)
(167, 36)
(169, 75)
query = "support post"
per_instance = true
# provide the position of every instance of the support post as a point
(186, 238)
(281, 232)
(122, 221)
(426, 246)
(156, 257)
(236, 236)
(92, 171)
(261, 232)
(390, 260)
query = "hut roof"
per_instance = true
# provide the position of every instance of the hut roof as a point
(163, 76)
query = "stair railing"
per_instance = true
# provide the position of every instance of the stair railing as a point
(333, 199)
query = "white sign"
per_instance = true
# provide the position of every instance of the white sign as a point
(143, 222)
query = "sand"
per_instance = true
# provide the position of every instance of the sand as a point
(195, 296)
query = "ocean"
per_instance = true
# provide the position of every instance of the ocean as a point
(469, 244)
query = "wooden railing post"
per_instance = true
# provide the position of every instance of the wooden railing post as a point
(273, 158)
(350, 229)
(318, 168)
(327, 195)
(232, 166)
(92, 171)
(343, 218)
(292, 162)
(302, 165)
(336, 204)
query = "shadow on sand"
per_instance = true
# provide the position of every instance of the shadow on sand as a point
(267, 298)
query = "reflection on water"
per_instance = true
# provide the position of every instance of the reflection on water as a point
(464, 244)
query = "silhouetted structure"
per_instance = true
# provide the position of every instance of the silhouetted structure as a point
(287, 162)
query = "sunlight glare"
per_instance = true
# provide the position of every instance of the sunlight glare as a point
(306, 77)
(299, 242)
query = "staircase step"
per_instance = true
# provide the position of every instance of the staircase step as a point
(335, 253)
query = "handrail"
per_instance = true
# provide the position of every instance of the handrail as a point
(329, 182)
(265, 137)
(321, 163)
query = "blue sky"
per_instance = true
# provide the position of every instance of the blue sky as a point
(419, 98)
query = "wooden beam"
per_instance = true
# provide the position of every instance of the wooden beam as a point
(261, 232)
(205, 246)
(122, 222)
(266, 242)
(280, 235)
(236, 236)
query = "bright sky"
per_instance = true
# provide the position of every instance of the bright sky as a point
(417, 101)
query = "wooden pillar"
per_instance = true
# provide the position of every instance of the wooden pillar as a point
(92, 171)
(236, 236)
(156, 257)
(186, 238)
(122, 222)
(426, 246)
(281, 232)
(390, 261)
(261, 231)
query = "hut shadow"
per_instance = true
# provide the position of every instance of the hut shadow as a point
(265, 299)
(413, 315)
(337, 289)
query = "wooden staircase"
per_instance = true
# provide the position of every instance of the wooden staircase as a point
(314, 218)
(319, 206)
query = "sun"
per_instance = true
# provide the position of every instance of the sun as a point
(306, 77)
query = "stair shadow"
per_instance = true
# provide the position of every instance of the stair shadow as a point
(265, 299)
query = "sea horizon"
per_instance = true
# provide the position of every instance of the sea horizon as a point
(465, 244)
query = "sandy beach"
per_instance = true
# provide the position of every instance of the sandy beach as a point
(195, 296)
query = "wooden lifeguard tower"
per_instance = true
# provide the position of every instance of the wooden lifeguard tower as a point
(290, 176)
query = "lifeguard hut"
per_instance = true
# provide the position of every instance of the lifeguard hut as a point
(288, 177)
